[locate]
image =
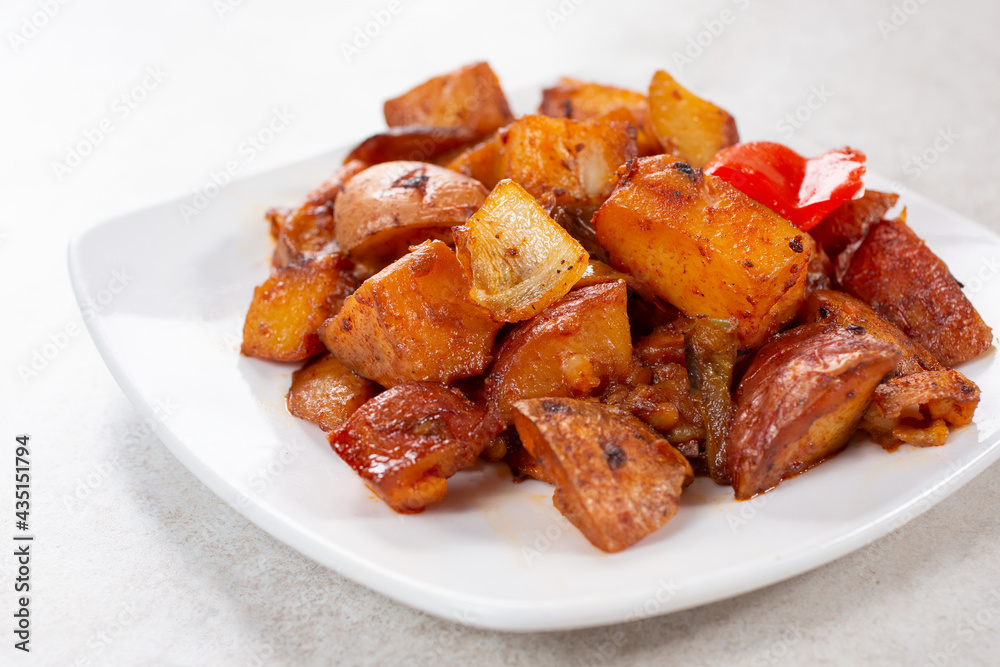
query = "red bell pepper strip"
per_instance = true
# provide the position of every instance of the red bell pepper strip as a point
(801, 190)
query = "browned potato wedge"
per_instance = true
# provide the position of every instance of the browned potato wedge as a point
(307, 231)
(481, 162)
(852, 220)
(418, 143)
(469, 97)
(575, 160)
(325, 392)
(389, 207)
(918, 409)
(616, 480)
(413, 321)
(289, 307)
(592, 101)
(407, 441)
(906, 283)
(705, 247)
(696, 129)
(518, 259)
(831, 307)
(574, 347)
(800, 401)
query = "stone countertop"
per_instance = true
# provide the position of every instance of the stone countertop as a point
(137, 563)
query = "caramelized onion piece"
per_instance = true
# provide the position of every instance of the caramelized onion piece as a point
(518, 259)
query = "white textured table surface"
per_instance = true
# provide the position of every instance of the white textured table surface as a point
(137, 563)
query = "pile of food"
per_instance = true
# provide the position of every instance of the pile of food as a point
(612, 296)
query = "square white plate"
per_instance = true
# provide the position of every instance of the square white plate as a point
(493, 554)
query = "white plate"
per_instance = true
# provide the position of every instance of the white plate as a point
(494, 554)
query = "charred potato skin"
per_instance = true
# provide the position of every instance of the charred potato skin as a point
(685, 123)
(851, 221)
(415, 143)
(704, 247)
(413, 321)
(572, 348)
(895, 273)
(408, 440)
(389, 207)
(580, 100)
(800, 401)
(288, 309)
(833, 307)
(307, 232)
(327, 393)
(469, 97)
(616, 479)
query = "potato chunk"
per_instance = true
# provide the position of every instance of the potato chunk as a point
(481, 162)
(418, 143)
(325, 392)
(413, 321)
(705, 247)
(575, 160)
(580, 100)
(307, 231)
(518, 259)
(289, 307)
(389, 207)
(800, 401)
(696, 129)
(852, 220)
(831, 307)
(616, 479)
(407, 441)
(469, 97)
(919, 409)
(906, 283)
(573, 348)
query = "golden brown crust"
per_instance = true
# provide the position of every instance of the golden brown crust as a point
(326, 392)
(906, 283)
(408, 440)
(850, 221)
(685, 123)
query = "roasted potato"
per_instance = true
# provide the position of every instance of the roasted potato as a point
(819, 274)
(851, 221)
(389, 207)
(580, 100)
(416, 143)
(518, 259)
(307, 232)
(574, 160)
(289, 307)
(831, 307)
(575, 347)
(799, 402)
(616, 479)
(481, 162)
(918, 409)
(469, 97)
(906, 283)
(326, 392)
(687, 124)
(407, 441)
(705, 247)
(413, 321)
